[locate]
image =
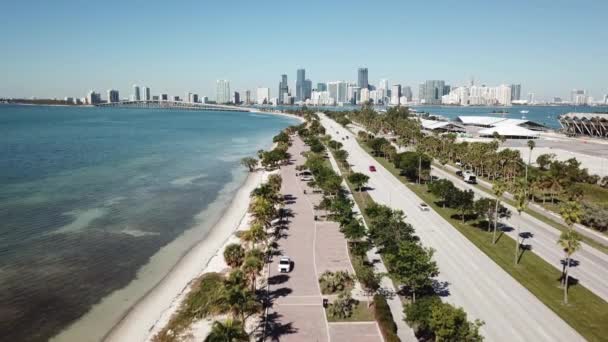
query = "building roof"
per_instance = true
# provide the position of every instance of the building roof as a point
(509, 131)
(490, 121)
(584, 116)
(444, 125)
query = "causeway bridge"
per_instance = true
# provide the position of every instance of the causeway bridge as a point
(180, 105)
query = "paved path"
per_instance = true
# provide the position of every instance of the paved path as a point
(297, 313)
(591, 265)
(473, 280)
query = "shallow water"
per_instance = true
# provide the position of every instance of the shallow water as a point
(89, 195)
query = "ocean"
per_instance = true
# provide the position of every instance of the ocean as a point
(89, 195)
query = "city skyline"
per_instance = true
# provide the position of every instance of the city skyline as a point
(54, 50)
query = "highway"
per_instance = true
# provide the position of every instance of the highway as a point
(590, 266)
(474, 281)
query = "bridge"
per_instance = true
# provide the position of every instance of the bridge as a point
(180, 105)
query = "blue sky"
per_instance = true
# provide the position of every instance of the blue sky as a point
(64, 48)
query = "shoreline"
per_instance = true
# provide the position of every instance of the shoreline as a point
(154, 310)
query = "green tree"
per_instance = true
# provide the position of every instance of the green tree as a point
(234, 255)
(353, 230)
(571, 212)
(250, 163)
(484, 207)
(227, 331)
(413, 266)
(531, 145)
(521, 201)
(342, 307)
(499, 187)
(358, 180)
(570, 241)
(442, 188)
(464, 202)
(451, 324)
(252, 266)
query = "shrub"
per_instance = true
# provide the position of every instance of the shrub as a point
(342, 307)
(335, 282)
(384, 317)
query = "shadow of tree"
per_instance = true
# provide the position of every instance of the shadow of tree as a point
(274, 328)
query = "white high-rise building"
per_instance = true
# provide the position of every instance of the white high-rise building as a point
(222, 91)
(263, 95)
(353, 92)
(383, 84)
(396, 94)
(503, 95)
(338, 90)
(145, 94)
(364, 97)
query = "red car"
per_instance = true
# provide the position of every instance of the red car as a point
(372, 168)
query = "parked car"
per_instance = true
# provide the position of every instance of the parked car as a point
(284, 264)
(372, 168)
(423, 207)
(459, 173)
(459, 164)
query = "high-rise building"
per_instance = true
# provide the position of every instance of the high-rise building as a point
(236, 97)
(176, 98)
(515, 92)
(113, 96)
(222, 91)
(300, 84)
(395, 94)
(307, 89)
(353, 93)
(338, 91)
(194, 98)
(503, 95)
(364, 97)
(145, 94)
(283, 88)
(362, 78)
(407, 92)
(263, 95)
(579, 97)
(431, 91)
(248, 97)
(164, 97)
(531, 98)
(205, 99)
(321, 86)
(188, 97)
(93, 98)
(606, 99)
(383, 84)
(136, 93)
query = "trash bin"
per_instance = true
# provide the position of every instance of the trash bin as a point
(325, 302)
(316, 218)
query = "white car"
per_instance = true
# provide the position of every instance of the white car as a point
(423, 207)
(284, 265)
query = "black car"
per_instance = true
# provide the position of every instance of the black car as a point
(459, 173)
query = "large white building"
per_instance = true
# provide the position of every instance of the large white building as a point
(396, 94)
(478, 96)
(222, 91)
(263, 95)
(338, 91)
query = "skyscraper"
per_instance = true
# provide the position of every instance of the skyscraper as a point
(431, 92)
(300, 81)
(307, 90)
(145, 93)
(93, 98)
(283, 88)
(321, 86)
(136, 93)
(222, 91)
(362, 78)
(236, 98)
(395, 94)
(407, 92)
(263, 96)
(248, 97)
(113, 96)
(515, 92)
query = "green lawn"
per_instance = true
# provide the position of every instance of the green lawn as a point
(561, 227)
(586, 312)
(361, 313)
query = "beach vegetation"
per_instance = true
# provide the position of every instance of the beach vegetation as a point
(234, 254)
(342, 307)
(333, 282)
(229, 330)
(250, 163)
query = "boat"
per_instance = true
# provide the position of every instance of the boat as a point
(524, 111)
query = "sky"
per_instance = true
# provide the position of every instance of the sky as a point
(66, 48)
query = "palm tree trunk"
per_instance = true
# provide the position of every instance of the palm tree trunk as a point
(566, 280)
(517, 240)
(495, 222)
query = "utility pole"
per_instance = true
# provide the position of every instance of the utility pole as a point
(419, 167)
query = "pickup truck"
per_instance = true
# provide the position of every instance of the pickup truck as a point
(284, 264)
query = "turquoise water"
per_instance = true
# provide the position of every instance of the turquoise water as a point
(88, 195)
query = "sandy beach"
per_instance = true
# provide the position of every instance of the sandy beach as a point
(154, 310)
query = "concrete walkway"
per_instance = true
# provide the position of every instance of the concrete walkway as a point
(296, 312)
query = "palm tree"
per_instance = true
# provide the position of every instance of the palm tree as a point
(228, 331)
(499, 188)
(254, 235)
(521, 200)
(252, 266)
(571, 212)
(570, 241)
(234, 255)
(531, 145)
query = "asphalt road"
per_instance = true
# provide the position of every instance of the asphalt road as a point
(589, 265)
(474, 281)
